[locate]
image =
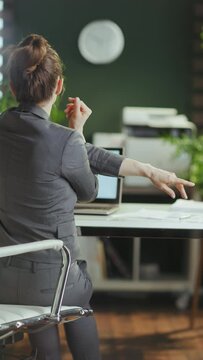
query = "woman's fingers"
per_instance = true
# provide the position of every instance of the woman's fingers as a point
(169, 191)
(77, 113)
(69, 108)
(167, 181)
(84, 108)
(78, 105)
(185, 182)
(181, 189)
(73, 108)
(165, 188)
(179, 184)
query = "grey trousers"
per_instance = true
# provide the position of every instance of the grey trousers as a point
(32, 283)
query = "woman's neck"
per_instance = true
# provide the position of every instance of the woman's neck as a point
(46, 106)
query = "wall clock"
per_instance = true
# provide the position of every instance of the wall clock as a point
(101, 42)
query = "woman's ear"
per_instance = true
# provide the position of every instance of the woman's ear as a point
(59, 86)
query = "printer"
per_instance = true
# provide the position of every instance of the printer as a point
(144, 129)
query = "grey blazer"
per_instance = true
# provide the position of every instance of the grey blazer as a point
(44, 169)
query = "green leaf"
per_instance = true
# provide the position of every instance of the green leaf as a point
(7, 100)
(193, 146)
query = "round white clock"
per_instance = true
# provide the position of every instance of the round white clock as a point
(101, 42)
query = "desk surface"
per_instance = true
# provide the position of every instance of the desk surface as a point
(125, 222)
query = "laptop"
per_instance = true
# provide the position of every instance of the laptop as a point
(109, 195)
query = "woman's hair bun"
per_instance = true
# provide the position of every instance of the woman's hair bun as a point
(32, 51)
(33, 69)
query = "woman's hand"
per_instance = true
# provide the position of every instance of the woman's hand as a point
(166, 181)
(163, 180)
(77, 112)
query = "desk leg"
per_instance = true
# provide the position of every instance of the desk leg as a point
(195, 297)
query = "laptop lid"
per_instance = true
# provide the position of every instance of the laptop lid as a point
(110, 187)
(109, 193)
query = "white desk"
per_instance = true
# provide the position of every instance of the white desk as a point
(120, 224)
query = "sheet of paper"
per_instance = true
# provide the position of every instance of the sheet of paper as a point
(151, 214)
(187, 205)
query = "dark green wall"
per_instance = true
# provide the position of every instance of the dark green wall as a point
(153, 70)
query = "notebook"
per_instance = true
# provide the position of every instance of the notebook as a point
(109, 194)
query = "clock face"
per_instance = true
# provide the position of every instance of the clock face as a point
(101, 42)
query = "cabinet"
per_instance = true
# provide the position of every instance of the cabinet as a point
(143, 264)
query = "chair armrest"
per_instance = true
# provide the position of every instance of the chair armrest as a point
(13, 250)
(53, 244)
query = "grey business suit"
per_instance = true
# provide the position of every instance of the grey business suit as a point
(44, 169)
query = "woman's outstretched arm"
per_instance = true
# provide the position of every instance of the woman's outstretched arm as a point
(164, 180)
(77, 112)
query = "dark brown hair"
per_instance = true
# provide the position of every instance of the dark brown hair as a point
(33, 69)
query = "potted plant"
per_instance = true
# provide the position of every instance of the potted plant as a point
(193, 146)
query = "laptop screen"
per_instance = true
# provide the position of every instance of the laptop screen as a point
(109, 186)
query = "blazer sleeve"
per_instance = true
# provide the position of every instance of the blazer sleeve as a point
(103, 161)
(76, 168)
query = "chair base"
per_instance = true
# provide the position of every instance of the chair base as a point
(20, 318)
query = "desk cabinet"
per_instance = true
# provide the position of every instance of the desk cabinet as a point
(141, 264)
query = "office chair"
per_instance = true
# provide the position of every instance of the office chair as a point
(18, 319)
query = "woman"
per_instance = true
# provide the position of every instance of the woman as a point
(44, 169)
